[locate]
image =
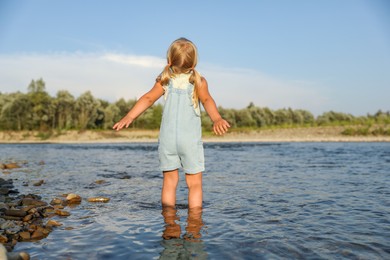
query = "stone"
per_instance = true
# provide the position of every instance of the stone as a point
(56, 201)
(11, 166)
(3, 239)
(98, 199)
(30, 201)
(73, 198)
(4, 191)
(62, 213)
(12, 218)
(15, 212)
(37, 235)
(28, 208)
(38, 183)
(27, 218)
(25, 235)
(53, 223)
(18, 256)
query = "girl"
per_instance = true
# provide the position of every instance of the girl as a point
(180, 142)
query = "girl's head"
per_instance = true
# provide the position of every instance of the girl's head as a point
(182, 57)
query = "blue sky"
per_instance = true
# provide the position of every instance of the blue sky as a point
(316, 55)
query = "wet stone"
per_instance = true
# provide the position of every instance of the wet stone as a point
(24, 235)
(62, 213)
(30, 201)
(11, 166)
(73, 198)
(37, 235)
(11, 218)
(27, 218)
(98, 199)
(53, 223)
(15, 213)
(4, 191)
(38, 183)
(56, 201)
(3, 239)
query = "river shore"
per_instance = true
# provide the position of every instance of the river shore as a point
(304, 134)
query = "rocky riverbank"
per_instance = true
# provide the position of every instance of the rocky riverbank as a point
(26, 217)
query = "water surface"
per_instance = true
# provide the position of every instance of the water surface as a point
(261, 201)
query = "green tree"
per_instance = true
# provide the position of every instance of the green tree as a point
(16, 112)
(111, 112)
(41, 102)
(64, 105)
(85, 112)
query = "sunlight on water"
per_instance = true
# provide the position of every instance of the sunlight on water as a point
(261, 201)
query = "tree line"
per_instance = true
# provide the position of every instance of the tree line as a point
(37, 110)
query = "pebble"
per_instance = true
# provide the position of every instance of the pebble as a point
(98, 199)
(25, 235)
(15, 212)
(73, 198)
(22, 216)
(31, 201)
(37, 235)
(56, 201)
(53, 223)
(62, 213)
(21, 219)
(100, 181)
(11, 166)
(39, 183)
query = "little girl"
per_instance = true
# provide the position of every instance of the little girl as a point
(180, 143)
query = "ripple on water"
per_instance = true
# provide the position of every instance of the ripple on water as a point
(261, 201)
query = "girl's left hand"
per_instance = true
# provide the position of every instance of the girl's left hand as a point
(220, 126)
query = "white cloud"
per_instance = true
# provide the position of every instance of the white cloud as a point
(143, 61)
(111, 76)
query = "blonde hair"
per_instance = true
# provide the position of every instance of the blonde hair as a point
(182, 57)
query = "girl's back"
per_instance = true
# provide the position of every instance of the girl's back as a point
(180, 132)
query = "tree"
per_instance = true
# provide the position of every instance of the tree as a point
(64, 105)
(41, 102)
(16, 112)
(110, 114)
(85, 112)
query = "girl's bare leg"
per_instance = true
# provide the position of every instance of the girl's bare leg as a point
(168, 193)
(195, 192)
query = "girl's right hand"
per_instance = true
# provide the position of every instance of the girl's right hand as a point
(124, 122)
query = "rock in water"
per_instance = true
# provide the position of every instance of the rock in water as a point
(73, 198)
(39, 183)
(11, 166)
(98, 199)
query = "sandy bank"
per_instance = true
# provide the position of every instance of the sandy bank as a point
(311, 134)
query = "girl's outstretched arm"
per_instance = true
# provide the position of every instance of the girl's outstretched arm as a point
(142, 104)
(220, 125)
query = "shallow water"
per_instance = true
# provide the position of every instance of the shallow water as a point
(261, 201)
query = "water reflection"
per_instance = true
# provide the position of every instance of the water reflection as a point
(188, 246)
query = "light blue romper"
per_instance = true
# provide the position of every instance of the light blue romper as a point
(180, 143)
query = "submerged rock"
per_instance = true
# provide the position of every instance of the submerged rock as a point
(21, 219)
(62, 213)
(73, 198)
(11, 166)
(98, 199)
(39, 183)
(53, 223)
